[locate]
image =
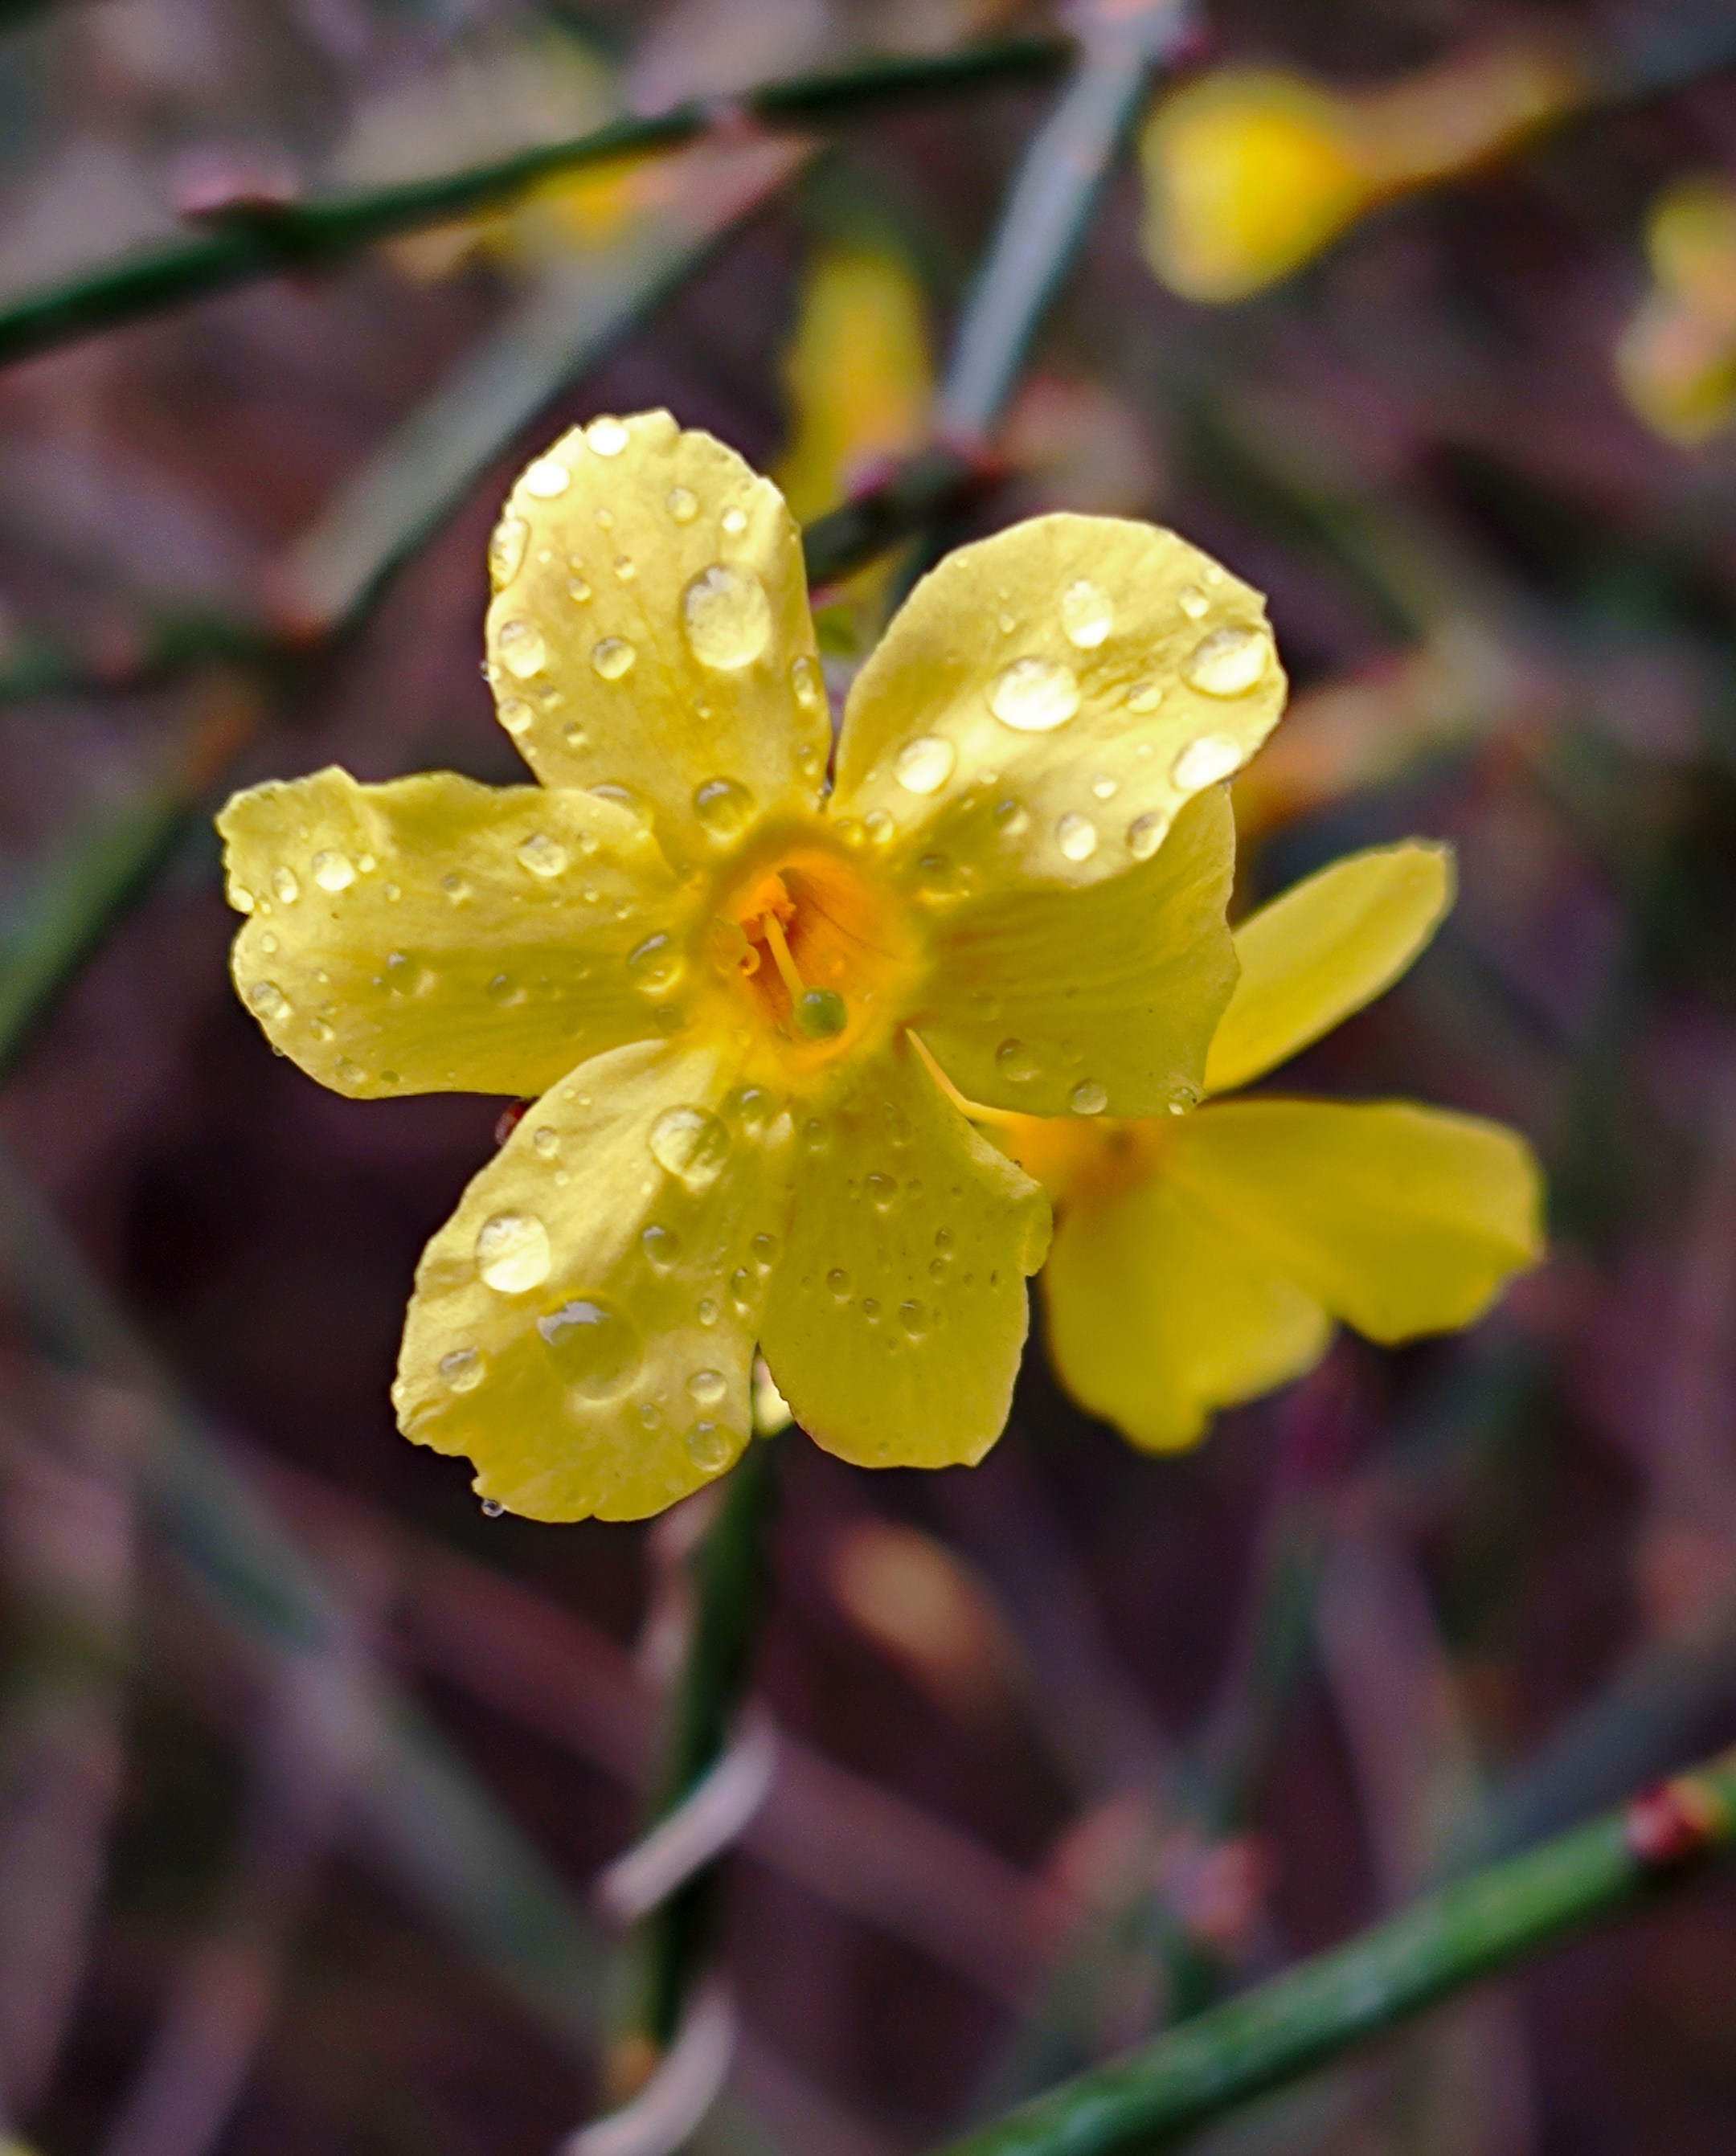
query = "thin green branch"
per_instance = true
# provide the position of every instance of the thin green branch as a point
(262, 240)
(1319, 2010)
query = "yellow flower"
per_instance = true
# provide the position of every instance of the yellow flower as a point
(1202, 1262)
(1676, 361)
(1249, 171)
(716, 975)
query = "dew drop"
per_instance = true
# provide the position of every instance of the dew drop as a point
(1146, 834)
(882, 1190)
(724, 807)
(1229, 663)
(1192, 601)
(839, 1282)
(914, 1319)
(655, 965)
(268, 944)
(506, 550)
(1087, 1098)
(512, 1252)
(1145, 696)
(241, 898)
(806, 684)
(734, 522)
(577, 590)
(691, 1145)
(1204, 761)
(547, 478)
(542, 855)
(1086, 614)
(763, 1250)
(820, 1013)
(502, 990)
(521, 648)
(707, 1311)
(596, 1349)
(878, 826)
(547, 1143)
(1076, 836)
(285, 886)
(708, 1387)
(626, 568)
(333, 871)
(1015, 1060)
(925, 764)
(462, 1370)
(269, 1000)
(515, 715)
(711, 1446)
(661, 1245)
(492, 1508)
(682, 504)
(870, 1309)
(613, 657)
(1013, 817)
(1034, 695)
(393, 894)
(728, 617)
(606, 437)
(455, 888)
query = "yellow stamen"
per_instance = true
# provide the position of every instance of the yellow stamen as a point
(819, 1013)
(781, 959)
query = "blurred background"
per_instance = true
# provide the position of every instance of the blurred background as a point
(1420, 315)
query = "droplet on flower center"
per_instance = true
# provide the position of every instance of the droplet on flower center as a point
(1034, 695)
(924, 765)
(820, 1013)
(1204, 761)
(596, 1349)
(1086, 614)
(728, 617)
(521, 647)
(1228, 663)
(690, 1145)
(512, 1252)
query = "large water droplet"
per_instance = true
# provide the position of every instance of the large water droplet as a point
(682, 504)
(1034, 695)
(708, 1387)
(285, 886)
(728, 617)
(925, 764)
(1015, 1060)
(807, 683)
(512, 1252)
(1204, 761)
(656, 964)
(1228, 663)
(613, 657)
(607, 436)
(723, 807)
(596, 1349)
(462, 1370)
(542, 855)
(333, 871)
(711, 1446)
(547, 477)
(1087, 615)
(521, 648)
(268, 1000)
(506, 550)
(691, 1145)
(661, 1245)
(1087, 1098)
(1076, 836)
(1146, 834)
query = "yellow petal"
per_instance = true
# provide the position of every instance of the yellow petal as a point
(583, 1326)
(434, 935)
(896, 1322)
(650, 631)
(1061, 1003)
(1157, 1314)
(1327, 946)
(1045, 701)
(1399, 1219)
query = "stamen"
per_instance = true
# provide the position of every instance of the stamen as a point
(819, 1014)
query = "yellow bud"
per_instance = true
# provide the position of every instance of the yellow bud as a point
(1676, 361)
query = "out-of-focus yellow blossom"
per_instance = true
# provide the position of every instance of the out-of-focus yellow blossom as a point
(1249, 172)
(1203, 1260)
(1676, 360)
(713, 976)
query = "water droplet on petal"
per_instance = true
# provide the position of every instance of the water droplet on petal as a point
(545, 1142)
(691, 1145)
(285, 886)
(734, 522)
(506, 550)
(515, 715)
(655, 965)
(1192, 601)
(661, 1245)
(492, 1508)
(521, 648)
(807, 684)
(596, 1349)
(1087, 1098)
(1104, 787)
(613, 657)
(547, 477)
(462, 1370)
(914, 1319)
(542, 855)
(577, 590)
(763, 1250)
(711, 1446)
(1034, 695)
(268, 1000)
(925, 764)
(241, 898)
(882, 1190)
(1076, 836)
(682, 504)
(626, 568)
(1013, 817)
(1015, 1060)
(839, 1282)
(723, 807)
(708, 1387)
(1146, 834)
(1228, 663)
(728, 617)
(707, 1311)
(607, 437)
(878, 826)
(333, 871)
(1204, 761)
(1087, 615)
(1145, 696)
(512, 1252)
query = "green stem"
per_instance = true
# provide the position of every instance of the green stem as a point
(252, 242)
(1316, 2012)
(729, 1580)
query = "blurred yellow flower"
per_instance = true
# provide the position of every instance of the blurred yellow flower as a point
(712, 974)
(1204, 1261)
(1249, 172)
(1676, 361)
